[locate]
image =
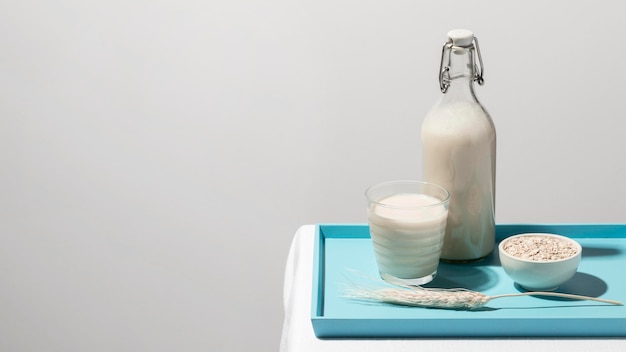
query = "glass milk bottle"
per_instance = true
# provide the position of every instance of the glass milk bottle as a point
(459, 146)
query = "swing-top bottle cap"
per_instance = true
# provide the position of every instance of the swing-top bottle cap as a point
(461, 37)
(460, 42)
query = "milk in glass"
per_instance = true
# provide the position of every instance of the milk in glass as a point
(407, 234)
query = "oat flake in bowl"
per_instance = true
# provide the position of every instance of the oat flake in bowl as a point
(540, 248)
(540, 261)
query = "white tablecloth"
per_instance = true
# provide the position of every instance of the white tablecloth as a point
(298, 336)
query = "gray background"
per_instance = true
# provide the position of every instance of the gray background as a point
(156, 157)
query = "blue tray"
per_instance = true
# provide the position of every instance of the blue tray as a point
(344, 253)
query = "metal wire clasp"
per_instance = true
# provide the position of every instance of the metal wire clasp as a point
(444, 70)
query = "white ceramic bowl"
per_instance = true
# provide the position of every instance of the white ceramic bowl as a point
(545, 274)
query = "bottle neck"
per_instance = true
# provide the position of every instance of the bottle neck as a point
(461, 73)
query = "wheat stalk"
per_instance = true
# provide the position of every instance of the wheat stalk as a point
(458, 298)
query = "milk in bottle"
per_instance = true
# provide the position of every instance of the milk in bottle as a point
(459, 146)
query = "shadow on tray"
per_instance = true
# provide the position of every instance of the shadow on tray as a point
(479, 276)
